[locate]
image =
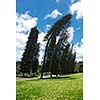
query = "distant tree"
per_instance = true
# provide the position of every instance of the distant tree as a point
(78, 68)
(18, 67)
(30, 56)
(81, 66)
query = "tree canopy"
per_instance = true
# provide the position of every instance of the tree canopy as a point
(59, 58)
(29, 61)
(56, 48)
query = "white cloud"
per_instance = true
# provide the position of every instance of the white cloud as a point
(54, 14)
(76, 7)
(21, 39)
(70, 32)
(41, 53)
(24, 22)
(42, 45)
(79, 50)
(40, 40)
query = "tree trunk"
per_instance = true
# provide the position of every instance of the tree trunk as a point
(41, 75)
(51, 75)
(23, 74)
(45, 54)
(56, 75)
(33, 75)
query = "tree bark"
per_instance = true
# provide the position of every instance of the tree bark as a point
(23, 74)
(56, 75)
(51, 75)
(41, 75)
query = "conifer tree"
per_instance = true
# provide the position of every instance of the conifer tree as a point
(64, 60)
(29, 61)
(51, 36)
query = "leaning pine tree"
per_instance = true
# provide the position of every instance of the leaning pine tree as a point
(29, 60)
(71, 60)
(51, 37)
(57, 54)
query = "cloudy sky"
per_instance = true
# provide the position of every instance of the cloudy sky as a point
(43, 14)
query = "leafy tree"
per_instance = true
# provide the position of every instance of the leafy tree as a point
(30, 56)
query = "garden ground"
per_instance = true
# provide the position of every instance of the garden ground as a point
(67, 87)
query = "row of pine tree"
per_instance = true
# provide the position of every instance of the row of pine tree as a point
(59, 58)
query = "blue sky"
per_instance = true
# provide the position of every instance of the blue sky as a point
(43, 14)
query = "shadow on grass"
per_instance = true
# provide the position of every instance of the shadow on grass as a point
(27, 76)
(63, 77)
(46, 78)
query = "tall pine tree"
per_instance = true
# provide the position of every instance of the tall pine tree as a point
(29, 61)
(51, 36)
(57, 54)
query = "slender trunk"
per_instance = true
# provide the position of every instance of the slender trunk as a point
(41, 75)
(56, 75)
(44, 61)
(51, 75)
(33, 75)
(23, 74)
(44, 58)
(28, 73)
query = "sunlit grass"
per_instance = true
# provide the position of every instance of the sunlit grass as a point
(69, 87)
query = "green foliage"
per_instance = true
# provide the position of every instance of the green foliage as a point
(53, 50)
(58, 57)
(60, 24)
(30, 56)
(18, 67)
(78, 67)
(64, 60)
(68, 87)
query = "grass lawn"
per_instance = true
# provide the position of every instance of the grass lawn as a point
(69, 87)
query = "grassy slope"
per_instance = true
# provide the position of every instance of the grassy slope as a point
(70, 88)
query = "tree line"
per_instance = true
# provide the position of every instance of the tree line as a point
(59, 56)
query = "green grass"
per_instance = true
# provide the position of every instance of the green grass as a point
(69, 87)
